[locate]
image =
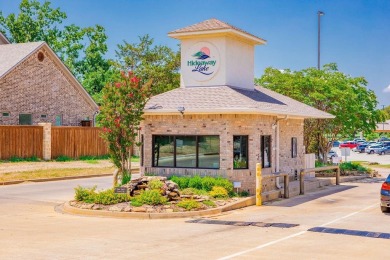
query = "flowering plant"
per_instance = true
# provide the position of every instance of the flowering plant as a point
(121, 115)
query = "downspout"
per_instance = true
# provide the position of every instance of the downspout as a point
(277, 152)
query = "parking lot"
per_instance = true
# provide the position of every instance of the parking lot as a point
(355, 156)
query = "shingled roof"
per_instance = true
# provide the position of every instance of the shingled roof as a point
(12, 54)
(212, 25)
(228, 100)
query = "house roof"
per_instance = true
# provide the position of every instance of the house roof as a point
(228, 100)
(3, 39)
(214, 26)
(11, 55)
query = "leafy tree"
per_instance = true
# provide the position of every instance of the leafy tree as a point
(331, 91)
(159, 63)
(386, 111)
(122, 112)
(81, 49)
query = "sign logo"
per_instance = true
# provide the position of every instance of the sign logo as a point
(203, 61)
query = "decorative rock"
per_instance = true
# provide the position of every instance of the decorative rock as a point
(169, 210)
(115, 208)
(138, 209)
(127, 209)
(96, 207)
(150, 210)
(166, 207)
(73, 202)
(87, 206)
(186, 196)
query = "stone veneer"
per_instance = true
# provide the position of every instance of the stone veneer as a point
(41, 88)
(226, 126)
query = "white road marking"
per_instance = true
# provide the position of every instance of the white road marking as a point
(293, 235)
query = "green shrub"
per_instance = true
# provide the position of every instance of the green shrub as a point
(189, 204)
(136, 203)
(219, 192)
(93, 157)
(352, 166)
(182, 182)
(225, 183)
(109, 197)
(193, 191)
(195, 182)
(106, 197)
(28, 159)
(126, 178)
(63, 158)
(243, 193)
(155, 184)
(85, 194)
(209, 203)
(150, 197)
(208, 183)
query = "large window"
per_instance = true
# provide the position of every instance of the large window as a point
(266, 151)
(240, 152)
(186, 151)
(25, 119)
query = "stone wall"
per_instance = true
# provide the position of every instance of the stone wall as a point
(41, 88)
(226, 126)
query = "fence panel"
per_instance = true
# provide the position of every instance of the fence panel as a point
(77, 141)
(21, 141)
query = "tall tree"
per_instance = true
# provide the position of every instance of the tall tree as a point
(81, 49)
(122, 112)
(147, 61)
(332, 91)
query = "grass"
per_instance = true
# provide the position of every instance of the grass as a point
(53, 173)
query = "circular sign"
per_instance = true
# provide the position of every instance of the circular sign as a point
(202, 61)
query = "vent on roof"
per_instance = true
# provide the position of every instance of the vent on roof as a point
(41, 56)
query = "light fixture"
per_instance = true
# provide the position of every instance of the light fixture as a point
(181, 110)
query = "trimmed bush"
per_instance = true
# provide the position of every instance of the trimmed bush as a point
(155, 184)
(182, 182)
(209, 203)
(208, 183)
(150, 197)
(63, 158)
(85, 194)
(219, 192)
(225, 183)
(193, 191)
(189, 204)
(106, 197)
(195, 182)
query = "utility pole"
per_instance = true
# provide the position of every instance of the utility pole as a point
(319, 14)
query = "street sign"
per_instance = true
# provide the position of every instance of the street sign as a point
(345, 151)
(120, 190)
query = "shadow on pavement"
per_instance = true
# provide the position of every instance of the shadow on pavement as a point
(300, 199)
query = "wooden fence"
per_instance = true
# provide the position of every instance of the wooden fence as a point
(21, 141)
(77, 141)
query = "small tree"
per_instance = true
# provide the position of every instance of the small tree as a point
(121, 115)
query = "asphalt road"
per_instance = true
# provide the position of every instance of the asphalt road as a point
(30, 228)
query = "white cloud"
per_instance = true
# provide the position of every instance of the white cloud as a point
(387, 89)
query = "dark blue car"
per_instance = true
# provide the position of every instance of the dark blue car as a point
(385, 195)
(383, 150)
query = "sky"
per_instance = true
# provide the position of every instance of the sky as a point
(355, 34)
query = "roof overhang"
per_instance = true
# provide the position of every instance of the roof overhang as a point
(170, 112)
(3, 39)
(218, 33)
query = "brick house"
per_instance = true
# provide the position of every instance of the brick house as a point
(36, 87)
(218, 122)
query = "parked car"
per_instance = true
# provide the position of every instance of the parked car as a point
(383, 150)
(385, 195)
(383, 138)
(373, 148)
(332, 154)
(359, 140)
(361, 148)
(336, 143)
(348, 144)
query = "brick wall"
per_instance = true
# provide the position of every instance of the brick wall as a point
(40, 88)
(226, 126)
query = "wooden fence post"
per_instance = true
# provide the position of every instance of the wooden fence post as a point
(46, 153)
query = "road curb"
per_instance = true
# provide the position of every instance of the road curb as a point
(60, 178)
(67, 208)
